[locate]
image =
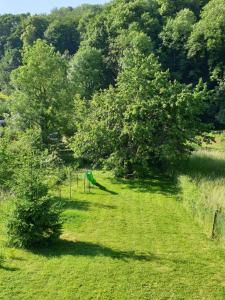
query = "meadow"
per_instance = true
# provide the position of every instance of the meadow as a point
(135, 242)
(203, 185)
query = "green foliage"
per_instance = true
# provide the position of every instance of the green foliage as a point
(41, 93)
(146, 120)
(9, 32)
(6, 159)
(33, 223)
(35, 217)
(177, 30)
(10, 61)
(207, 38)
(128, 39)
(174, 37)
(4, 105)
(63, 36)
(86, 71)
(171, 7)
(33, 29)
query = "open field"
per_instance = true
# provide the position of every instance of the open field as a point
(136, 243)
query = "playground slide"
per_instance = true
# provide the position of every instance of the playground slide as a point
(91, 179)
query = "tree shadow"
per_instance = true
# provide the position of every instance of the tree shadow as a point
(154, 184)
(86, 249)
(79, 248)
(104, 206)
(105, 189)
(81, 204)
(11, 269)
(204, 166)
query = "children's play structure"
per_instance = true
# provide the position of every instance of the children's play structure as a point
(84, 180)
(92, 181)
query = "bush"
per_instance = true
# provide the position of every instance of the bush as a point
(33, 223)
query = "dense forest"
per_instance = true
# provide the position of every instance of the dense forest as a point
(121, 85)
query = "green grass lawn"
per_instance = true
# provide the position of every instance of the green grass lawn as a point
(135, 243)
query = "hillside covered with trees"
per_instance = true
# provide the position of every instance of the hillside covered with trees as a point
(130, 85)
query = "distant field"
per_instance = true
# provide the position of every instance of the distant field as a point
(138, 243)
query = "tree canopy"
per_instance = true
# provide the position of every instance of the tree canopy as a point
(130, 85)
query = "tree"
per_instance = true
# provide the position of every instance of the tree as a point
(171, 7)
(207, 40)
(86, 71)
(33, 29)
(147, 120)
(118, 17)
(9, 62)
(62, 34)
(41, 93)
(174, 37)
(4, 105)
(10, 32)
(128, 39)
(35, 217)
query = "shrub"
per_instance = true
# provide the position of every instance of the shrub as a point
(33, 222)
(35, 217)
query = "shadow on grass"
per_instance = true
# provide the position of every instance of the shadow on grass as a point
(204, 166)
(11, 269)
(154, 184)
(105, 189)
(65, 247)
(81, 204)
(87, 249)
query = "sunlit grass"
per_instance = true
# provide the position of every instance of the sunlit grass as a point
(203, 184)
(138, 243)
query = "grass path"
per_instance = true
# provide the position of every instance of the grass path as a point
(137, 244)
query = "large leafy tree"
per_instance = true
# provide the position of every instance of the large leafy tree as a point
(41, 92)
(208, 37)
(206, 48)
(86, 71)
(146, 120)
(174, 37)
(171, 7)
(10, 32)
(63, 35)
(33, 29)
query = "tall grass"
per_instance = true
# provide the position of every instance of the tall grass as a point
(203, 187)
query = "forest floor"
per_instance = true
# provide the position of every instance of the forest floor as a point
(135, 241)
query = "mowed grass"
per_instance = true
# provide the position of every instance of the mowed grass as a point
(135, 243)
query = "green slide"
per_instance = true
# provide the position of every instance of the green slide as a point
(90, 177)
